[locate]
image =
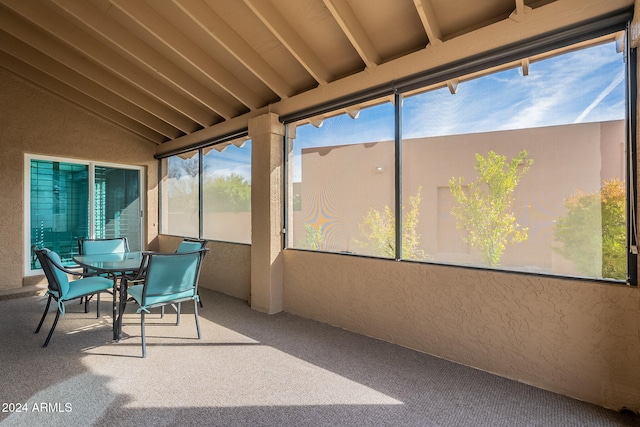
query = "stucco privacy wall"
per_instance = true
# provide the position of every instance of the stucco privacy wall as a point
(576, 338)
(37, 122)
(226, 268)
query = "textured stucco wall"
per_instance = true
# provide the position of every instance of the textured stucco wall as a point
(37, 122)
(576, 338)
(266, 133)
(332, 199)
(226, 268)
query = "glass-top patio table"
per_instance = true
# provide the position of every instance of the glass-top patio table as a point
(115, 265)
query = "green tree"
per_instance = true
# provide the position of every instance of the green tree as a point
(484, 208)
(379, 230)
(313, 238)
(183, 185)
(227, 194)
(593, 231)
(183, 194)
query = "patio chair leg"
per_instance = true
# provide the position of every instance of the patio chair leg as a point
(195, 309)
(55, 322)
(162, 312)
(178, 314)
(123, 306)
(117, 317)
(86, 304)
(144, 342)
(98, 306)
(46, 310)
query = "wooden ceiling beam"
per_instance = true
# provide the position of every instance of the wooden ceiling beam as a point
(182, 116)
(121, 39)
(352, 28)
(429, 21)
(72, 78)
(41, 40)
(284, 32)
(519, 11)
(225, 36)
(156, 25)
(85, 102)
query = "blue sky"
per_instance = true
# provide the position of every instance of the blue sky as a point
(582, 86)
(233, 160)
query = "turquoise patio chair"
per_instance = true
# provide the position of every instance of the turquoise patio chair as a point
(189, 245)
(169, 278)
(103, 246)
(62, 290)
(100, 246)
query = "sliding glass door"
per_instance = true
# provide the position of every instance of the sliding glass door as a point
(69, 200)
(59, 207)
(117, 206)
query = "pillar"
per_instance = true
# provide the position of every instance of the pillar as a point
(267, 136)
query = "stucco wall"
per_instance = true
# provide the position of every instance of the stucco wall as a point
(340, 185)
(37, 122)
(226, 268)
(577, 338)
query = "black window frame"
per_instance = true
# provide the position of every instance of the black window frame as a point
(566, 37)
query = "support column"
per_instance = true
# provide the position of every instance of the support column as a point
(267, 135)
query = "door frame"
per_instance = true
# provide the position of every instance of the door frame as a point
(91, 169)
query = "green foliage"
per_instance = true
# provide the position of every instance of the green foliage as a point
(227, 194)
(484, 208)
(183, 185)
(221, 194)
(379, 230)
(183, 194)
(313, 239)
(594, 229)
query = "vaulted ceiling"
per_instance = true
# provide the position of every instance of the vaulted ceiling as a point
(163, 69)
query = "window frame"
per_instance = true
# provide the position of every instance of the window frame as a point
(199, 148)
(487, 63)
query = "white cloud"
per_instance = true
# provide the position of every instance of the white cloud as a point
(616, 81)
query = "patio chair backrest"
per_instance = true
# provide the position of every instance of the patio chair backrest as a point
(53, 271)
(172, 274)
(103, 246)
(190, 245)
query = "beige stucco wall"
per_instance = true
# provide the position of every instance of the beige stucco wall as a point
(226, 268)
(340, 184)
(37, 122)
(576, 338)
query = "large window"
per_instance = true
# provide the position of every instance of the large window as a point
(343, 182)
(226, 192)
(524, 172)
(519, 167)
(207, 193)
(180, 195)
(70, 200)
